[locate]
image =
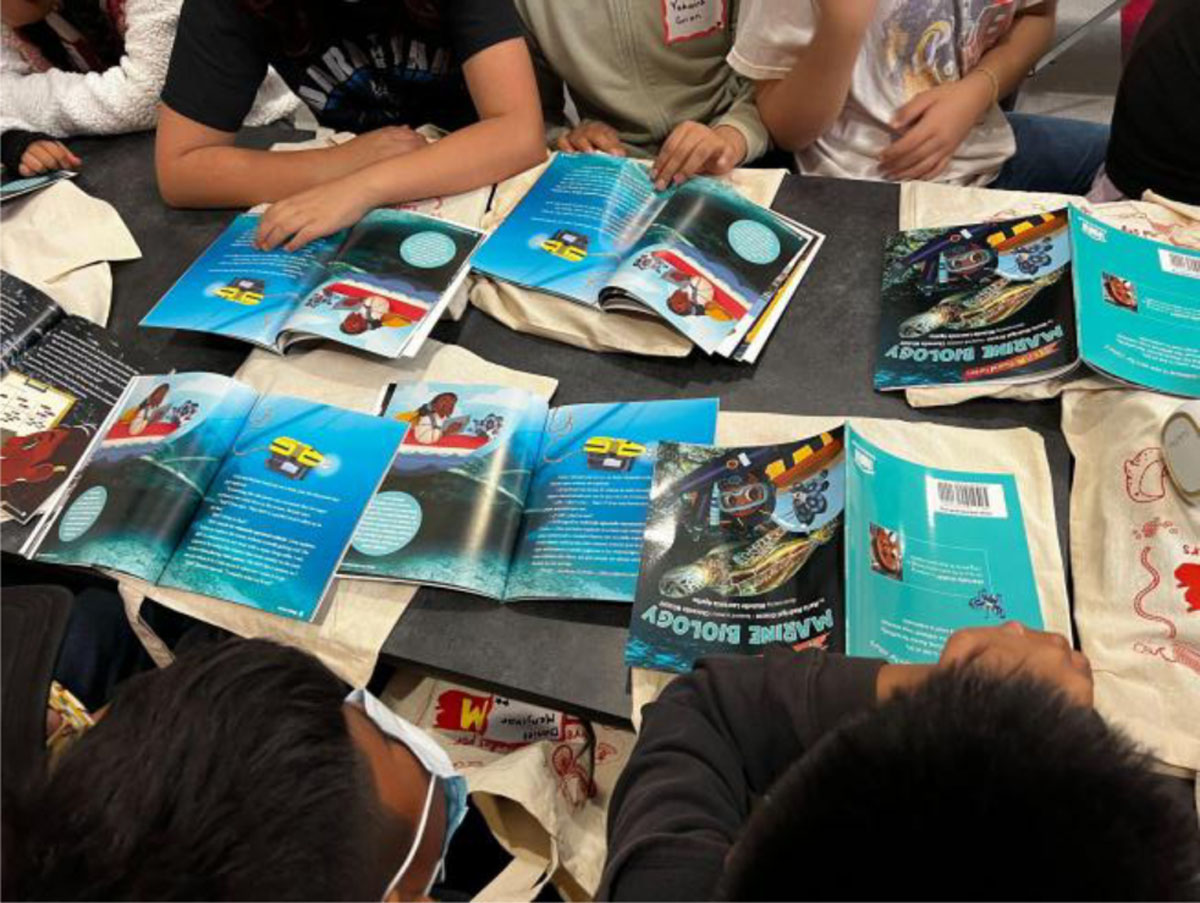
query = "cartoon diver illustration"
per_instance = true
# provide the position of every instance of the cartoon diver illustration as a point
(434, 430)
(886, 555)
(149, 410)
(697, 292)
(370, 309)
(971, 310)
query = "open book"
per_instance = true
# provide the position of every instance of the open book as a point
(1026, 299)
(494, 493)
(61, 376)
(827, 542)
(18, 187)
(699, 255)
(197, 482)
(381, 286)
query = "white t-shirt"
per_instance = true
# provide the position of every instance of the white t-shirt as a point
(909, 47)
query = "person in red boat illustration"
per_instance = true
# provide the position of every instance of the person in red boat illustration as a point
(434, 420)
(150, 410)
(373, 312)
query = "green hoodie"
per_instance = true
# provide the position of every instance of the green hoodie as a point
(642, 66)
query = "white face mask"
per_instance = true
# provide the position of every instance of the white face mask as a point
(435, 761)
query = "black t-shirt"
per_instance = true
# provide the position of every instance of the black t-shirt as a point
(1155, 141)
(369, 64)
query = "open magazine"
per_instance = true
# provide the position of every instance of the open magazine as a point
(381, 286)
(494, 493)
(197, 482)
(61, 375)
(1027, 299)
(699, 255)
(827, 542)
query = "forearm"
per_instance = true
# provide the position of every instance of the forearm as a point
(743, 115)
(1022, 46)
(228, 176)
(798, 108)
(480, 154)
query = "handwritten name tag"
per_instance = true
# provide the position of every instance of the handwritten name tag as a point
(687, 19)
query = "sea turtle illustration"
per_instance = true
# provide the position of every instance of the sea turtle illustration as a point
(971, 310)
(733, 569)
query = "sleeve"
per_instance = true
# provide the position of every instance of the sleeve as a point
(217, 64)
(716, 739)
(743, 116)
(13, 144)
(551, 90)
(123, 98)
(476, 25)
(769, 32)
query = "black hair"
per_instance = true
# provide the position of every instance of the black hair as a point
(970, 787)
(92, 21)
(231, 774)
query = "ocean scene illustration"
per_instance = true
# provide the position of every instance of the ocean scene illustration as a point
(450, 507)
(160, 450)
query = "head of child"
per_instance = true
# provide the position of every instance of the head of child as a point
(239, 772)
(978, 784)
(19, 13)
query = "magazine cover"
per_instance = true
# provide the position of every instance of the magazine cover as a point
(709, 262)
(581, 536)
(1139, 306)
(278, 516)
(987, 302)
(742, 550)
(450, 507)
(928, 552)
(156, 454)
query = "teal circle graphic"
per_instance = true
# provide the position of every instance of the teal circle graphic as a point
(753, 241)
(428, 250)
(82, 513)
(388, 525)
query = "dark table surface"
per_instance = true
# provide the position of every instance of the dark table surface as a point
(569, 654)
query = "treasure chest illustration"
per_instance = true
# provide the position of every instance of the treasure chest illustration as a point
(567, 244)
(607, 453)
(292, 458)
(243, 291)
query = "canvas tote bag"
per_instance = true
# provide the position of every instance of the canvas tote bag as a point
(549, 316)
(1135, 558)
(354, 624)
(541, 779)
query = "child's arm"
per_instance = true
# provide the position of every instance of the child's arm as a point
(934, 123)
(798, 108)
(123, 98)
(507, 139)
(32, 153)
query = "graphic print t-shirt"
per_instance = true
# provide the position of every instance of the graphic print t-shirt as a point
(909, 47)
(380, 65)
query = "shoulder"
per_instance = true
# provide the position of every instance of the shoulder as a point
(769, 32)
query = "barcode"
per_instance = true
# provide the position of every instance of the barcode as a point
(967, 499)
(1179, 264)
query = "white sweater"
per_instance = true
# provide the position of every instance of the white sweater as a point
(123, 98)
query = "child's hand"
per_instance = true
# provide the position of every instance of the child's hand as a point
(312, 214)
(933, 124)
(592, 136)
(46, 156)
(693, 148)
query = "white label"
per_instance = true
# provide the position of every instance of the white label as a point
(686, 19)
(965, 499)
(1179, 264)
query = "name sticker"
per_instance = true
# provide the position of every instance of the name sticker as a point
(687, 19)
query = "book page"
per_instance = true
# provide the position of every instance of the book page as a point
(981, 303)
(743, 551)
(25, 316)
(928, 552)
(1139, 306)
(388, 284)
(145, 476)
(52, 401)
(581, 537)
(708, 263)
(570, 231)
(233, 289)
(449, 510)
(276, 519)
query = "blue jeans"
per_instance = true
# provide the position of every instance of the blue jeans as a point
(1053, 154)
